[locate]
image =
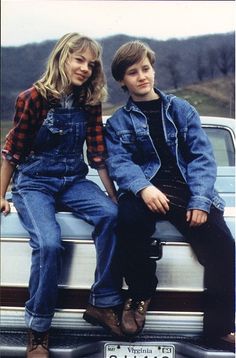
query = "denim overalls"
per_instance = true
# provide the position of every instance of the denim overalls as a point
(55, 174)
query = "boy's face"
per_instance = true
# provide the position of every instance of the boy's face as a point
(139, 80)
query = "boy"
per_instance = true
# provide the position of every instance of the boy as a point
(163, 164)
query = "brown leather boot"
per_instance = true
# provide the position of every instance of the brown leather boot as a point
(105, 317)
(128, 323)
(37, 345)
(140, 312)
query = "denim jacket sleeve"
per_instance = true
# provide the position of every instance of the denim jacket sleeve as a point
(201, 167)
(122, 169)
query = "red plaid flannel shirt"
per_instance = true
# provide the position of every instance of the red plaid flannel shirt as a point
(31, 110)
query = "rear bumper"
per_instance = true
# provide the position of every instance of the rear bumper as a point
(84, 344)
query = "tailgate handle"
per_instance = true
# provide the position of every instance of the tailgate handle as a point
(156, 249)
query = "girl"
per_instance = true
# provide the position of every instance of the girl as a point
(44, 150)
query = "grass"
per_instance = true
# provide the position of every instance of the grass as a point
(205, 104)
(211, 98)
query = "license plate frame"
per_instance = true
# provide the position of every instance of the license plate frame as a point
(139, 350)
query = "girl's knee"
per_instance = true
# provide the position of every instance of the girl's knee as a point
(51, 241)
(52, 248)
(110, 211)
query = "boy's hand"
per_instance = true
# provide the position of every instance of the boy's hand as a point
(196, 217)
(5, 206)
(155, 199)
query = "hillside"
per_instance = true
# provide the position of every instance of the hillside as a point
(180, 64)
(211, 98)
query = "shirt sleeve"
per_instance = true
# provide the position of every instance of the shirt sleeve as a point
(26, 122)
(96, 149)
(122, 168)
(200, 170)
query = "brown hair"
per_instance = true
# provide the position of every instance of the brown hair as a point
(127, 55)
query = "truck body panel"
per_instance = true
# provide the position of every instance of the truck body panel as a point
(175, 315)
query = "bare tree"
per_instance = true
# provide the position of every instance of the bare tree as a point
(225, 58)
(211, 55)
(200, 67)
(171, 63)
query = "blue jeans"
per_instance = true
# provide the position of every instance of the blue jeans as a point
(35, 201)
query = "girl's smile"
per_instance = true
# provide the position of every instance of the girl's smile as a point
(79, 67)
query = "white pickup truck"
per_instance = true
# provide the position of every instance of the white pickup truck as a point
(174, 320)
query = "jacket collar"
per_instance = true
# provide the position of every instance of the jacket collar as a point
(166, 100)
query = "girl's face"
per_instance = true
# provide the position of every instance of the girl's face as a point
(79, 67)
(139, 79)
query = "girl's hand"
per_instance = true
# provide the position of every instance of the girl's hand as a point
(196, 217)
(155, 199)
(5, 206)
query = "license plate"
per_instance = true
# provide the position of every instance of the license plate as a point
(112, 350)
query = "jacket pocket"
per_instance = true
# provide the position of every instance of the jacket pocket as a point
(127, 137)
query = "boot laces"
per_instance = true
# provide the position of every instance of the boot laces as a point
(140, 306)
(38, 339)
(116, 318)
(129, 304)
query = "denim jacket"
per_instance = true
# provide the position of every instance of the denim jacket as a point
(133, 160)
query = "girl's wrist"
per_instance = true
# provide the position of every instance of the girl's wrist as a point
(113, 196)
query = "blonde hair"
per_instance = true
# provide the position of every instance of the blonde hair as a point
(54, 82)
(127, 55)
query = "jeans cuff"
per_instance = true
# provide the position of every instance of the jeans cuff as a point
(39, 323)
(105, 300)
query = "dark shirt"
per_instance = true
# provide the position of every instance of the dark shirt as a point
(31, 110)
(169, 178)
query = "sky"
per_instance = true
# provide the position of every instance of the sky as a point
(33, 21)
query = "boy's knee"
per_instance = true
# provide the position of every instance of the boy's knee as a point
(129, 222)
